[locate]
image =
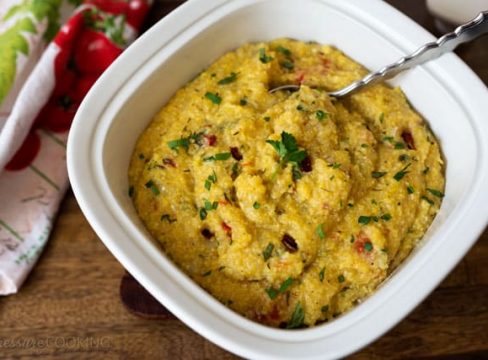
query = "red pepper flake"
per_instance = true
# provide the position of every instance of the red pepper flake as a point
(408, 139)
(169, 161)
(306, 164)
(363, 243)
(236, 154)
(289, 243)
(301, 77)
(226, 228)
(206, 233)
(210, 140)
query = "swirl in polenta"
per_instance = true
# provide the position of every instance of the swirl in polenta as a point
(290, 207)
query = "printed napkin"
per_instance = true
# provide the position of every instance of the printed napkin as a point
(42, 84)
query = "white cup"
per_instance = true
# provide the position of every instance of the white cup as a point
(456, 12)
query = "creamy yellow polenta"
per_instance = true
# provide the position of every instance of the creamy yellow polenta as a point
(287, 207)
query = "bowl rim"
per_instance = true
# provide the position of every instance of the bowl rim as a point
(85, 173)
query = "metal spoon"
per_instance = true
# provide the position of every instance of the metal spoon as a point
(430, 51)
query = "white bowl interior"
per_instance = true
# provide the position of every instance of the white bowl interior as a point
(346, 25)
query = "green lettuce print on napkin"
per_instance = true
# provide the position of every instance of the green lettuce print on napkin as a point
(39, 17)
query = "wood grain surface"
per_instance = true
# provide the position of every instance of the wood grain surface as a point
(70, 308)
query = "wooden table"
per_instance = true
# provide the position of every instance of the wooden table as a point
(70, 307)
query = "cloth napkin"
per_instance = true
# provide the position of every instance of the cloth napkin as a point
(42, 83)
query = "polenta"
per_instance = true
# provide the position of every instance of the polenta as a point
(290, 207)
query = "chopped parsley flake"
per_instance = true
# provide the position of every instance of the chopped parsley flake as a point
(167, 217)
(320, 231)
(378, 174)
(218, 157)
(426, 170)
(288, 65)
(364, 220)
(263, 57)
(382, 117)
(212, 179)
(399, 145)
(288, 151)
(229, 79)
(215, 98)
(427, 199)
(272, 293)
(152, 186)
(300, 107)
(210, 205)
(410, 189)
(321, 115)
(268, 251)
(267, 118)
(283, 50)
(435, 192)
(388, 138)
(324, 308)
(141, 156)
(207, 273)
(202, 213)
(297, 318)
(341, 278)
(321, 274)
(399, 175)
(386, 217)
(175, 144)
(256, 205)
(243, 102)
(368, 246)
(285, 285)
(335, 165)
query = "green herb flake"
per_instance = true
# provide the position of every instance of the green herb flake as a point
(141, 156)
(404, 157)
(175, 144)
(382, 117)
(218, 157)
(364, 220)
(207, 273)
(229, 79)
(320, 231)
(386, 217)
(335, 165)
(215, 98)
(399, 145)
(426, 170)
(283, 50)
(297, 318)
(167, 217)
(268, 251)
(152, 186)
(202, 213)
(211, 179)
(243, 102)
(435, 192)
(324, 308)
(256, 205)
(288, 65)
(267, 118)
(410, 189)
(131, 191)
(341, 278)
(285, 285)
(368, 246)
(272, 293)
(263, 57)
(352, 239)
(399, 175)
(235, 170)
(288, 151)
(300, 107)
(431, 202)
(378, 174)
(321, 115)
(322, 274)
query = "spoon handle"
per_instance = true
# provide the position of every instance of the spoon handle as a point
(430, 51)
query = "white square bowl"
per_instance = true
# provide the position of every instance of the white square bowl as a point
(140, 82)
